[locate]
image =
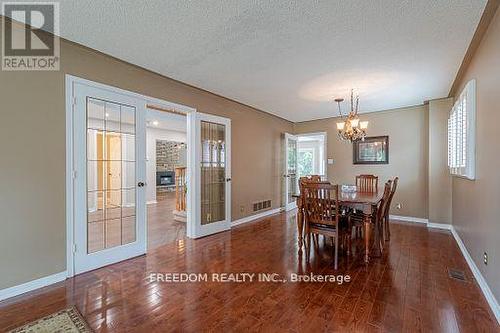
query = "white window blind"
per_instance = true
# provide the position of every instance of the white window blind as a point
(461, 133)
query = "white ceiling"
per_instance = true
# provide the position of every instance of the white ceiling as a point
(288, 58)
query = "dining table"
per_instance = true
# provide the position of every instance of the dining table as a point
(364, 202)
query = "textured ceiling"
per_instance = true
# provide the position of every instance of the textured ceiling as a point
(288, 58)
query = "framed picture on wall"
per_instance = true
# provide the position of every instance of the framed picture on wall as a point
(373, 150)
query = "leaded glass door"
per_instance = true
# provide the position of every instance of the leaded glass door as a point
(211, 188)
(290, 174)
(109, 159)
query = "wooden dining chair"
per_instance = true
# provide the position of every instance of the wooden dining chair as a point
(386, 228)
(379, 219)
(323, 214)
(356, 219)
(367, 183)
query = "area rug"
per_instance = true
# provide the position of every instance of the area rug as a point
(65, 321)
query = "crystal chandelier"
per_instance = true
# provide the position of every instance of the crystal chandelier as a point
(351, 128)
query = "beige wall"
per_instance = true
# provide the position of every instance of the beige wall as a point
(476, 208)
(439, 176)
(408, 148)
(32, 146)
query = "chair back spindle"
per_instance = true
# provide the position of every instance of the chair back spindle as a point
(367, 183)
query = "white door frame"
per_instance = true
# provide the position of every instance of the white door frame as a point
(288, 206)
(325, 137)
(195, 229)
(70, 167)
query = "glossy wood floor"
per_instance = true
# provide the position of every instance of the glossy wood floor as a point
(407, 289)
(162, 228)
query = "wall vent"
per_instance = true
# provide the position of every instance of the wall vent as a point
(261, 205)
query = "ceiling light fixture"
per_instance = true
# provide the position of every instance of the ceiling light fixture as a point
(351, 128)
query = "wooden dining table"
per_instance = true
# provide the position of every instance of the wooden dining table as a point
(365, 202)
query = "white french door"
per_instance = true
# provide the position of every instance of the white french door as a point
(209, 182)
(109, 144)
(290, 172)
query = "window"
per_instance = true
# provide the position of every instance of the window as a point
(311, 154)
(461, 134)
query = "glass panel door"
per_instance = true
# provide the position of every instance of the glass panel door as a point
(209, 183)
(291, 177)
(109, 157)
(110, 174)
(213, 172)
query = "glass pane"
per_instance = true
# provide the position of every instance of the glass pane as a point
(128, 203)
(95, 114)
(128, 147)
(95, 206)
(95, 145)
(95, 175)
(292, 169)
(110, 171)
(128, 119)
(113, 233)
(128, 230)
(113, 147)
(213, 173)
(112, 116)
(95, 236)
(113, 204)
(113, 175)
(128, 174)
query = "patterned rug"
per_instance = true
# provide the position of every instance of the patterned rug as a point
(65, 321)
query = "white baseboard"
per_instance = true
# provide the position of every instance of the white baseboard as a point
(151, 202)
(408, 219)
(443, 226)
(256, 216)
(490, 298)
(32, 285)
(429, 224)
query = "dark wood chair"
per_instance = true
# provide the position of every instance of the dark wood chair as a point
(386, 228)
(367, 183)
(323, 214)
(382, 209)
(356, 219)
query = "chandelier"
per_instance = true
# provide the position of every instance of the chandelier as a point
(351, 128)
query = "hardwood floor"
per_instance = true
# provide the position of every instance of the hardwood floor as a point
(162, 229)
(407, 289)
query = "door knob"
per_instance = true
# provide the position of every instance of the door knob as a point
(140, 184)
(228, 179)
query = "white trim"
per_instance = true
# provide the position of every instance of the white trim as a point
(257, 216)
(196, 229)
(325, 148)
(151, 202)
(420, 220)
(490, 298)
(159, 102)
(442, 226)
(70, 240)
(32, 285)
(289, 137)
(70, 81)
(408, 219)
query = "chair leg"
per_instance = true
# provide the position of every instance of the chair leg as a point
(307, 242)
(336, 251)
(387, 228)
(349, 244)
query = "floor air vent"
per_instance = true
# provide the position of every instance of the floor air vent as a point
(261, 205)
(456, 274)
